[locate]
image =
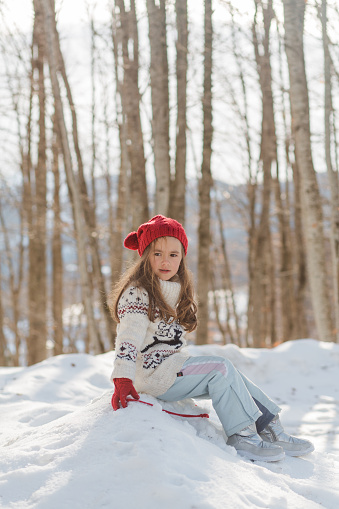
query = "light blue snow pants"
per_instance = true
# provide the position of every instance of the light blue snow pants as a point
(237, 401)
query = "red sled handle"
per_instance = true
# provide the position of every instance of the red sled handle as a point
(167, 411)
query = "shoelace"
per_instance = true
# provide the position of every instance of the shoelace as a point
(163, 410)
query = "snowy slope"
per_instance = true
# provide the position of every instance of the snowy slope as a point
(62, 446)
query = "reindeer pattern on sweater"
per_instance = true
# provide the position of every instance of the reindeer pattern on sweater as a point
(149, 353)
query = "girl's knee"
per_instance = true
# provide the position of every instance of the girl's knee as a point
(225, 360)
(223, 366)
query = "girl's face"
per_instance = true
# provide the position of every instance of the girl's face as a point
(165, 257)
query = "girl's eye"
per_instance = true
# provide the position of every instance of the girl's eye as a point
(157, 254)
(174, 255)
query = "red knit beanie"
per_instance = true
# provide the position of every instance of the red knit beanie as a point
(158, 226)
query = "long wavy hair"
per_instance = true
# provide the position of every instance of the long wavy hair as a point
(141, 275)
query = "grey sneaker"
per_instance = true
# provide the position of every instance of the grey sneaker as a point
(248, 443)
(274, 433)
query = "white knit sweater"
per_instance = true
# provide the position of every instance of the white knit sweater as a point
(149, 353)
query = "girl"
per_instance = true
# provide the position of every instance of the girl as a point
(154, 306)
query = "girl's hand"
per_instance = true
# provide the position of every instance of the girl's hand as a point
(123, 388)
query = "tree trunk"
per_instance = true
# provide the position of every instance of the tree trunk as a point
(293, 245)
(227, 282)
(37, 296)
(14, 265)
(2, 334)
(118, 216)
(178, 186)
(251, 196)
(286, 273)
(301, 328)
(269, 151)
(57, 277)
(160, 103)
(205, 184)
(310, 196)
(216, 303)
(263, 314)
(130, 99)
(26, 165)
(332, 174)
(115, 226)
(88, 208)
(252, 177)
(53, 52)
(93, 116)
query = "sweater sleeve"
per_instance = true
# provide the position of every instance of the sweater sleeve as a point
(132, 329)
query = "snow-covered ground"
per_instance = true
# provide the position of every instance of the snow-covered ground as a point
(63, 447)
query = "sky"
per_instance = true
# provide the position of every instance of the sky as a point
(62, 446)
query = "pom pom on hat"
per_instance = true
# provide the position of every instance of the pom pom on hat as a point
(158, 226)
(131, 241)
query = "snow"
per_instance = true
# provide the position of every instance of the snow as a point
(62, 446)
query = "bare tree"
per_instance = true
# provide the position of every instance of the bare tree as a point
(301, 326)
(15, 263)
(93, 111)
(2, 334)
(57, 263)
(160, 103)
(37, 297)
(205, 183)
(53, 58)
(310, 197)
(284, 295)
(15, 275)
(178, 184)
(252, 169)
(88, 205)
(118, 215)
(227, 281)
(27, 204)
(130, 99)
(332, 174)
(216, 305)
(263, 302)
(292, 250)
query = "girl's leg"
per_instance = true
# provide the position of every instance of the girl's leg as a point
(259, 396)
(216, 378)
(270, 427)
(264, 419)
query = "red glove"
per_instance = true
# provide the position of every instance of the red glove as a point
(123, 387)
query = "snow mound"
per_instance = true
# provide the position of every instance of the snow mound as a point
(63, 446)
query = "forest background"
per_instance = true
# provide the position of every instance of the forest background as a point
(220, 114)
